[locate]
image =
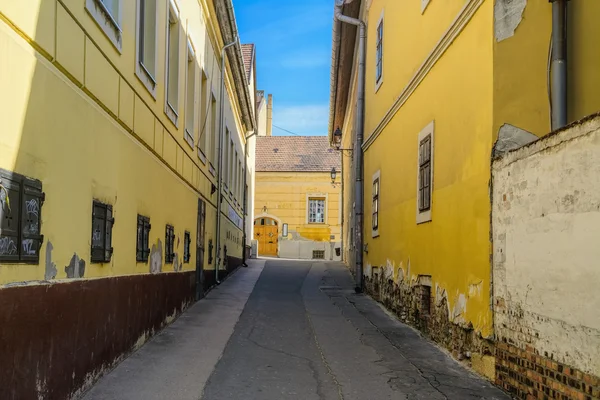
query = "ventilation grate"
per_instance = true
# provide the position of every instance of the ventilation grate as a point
(318, 254)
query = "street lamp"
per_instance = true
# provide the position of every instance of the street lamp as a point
(333, 174)
(337, 140)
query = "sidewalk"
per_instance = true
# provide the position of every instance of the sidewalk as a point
(178, 361)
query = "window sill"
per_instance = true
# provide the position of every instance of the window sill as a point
(211, 169)
(201, 156)
(378, 84)
(375, 234)
(423, 217)
(105, 22)
(189, 138)
(146, 78)
(172, 114)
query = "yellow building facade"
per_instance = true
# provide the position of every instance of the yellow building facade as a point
(108, 163)
(297, 204)
(447, 83)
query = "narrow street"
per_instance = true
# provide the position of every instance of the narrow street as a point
(290, 329)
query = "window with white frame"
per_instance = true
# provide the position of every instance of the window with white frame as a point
(190, 95)
(425, 174)
(235, 173)
(107, 14)
(375, 206)
(146, 44)
(231, 164)
(214, 134)
(172, 105)
(379, 52)
(316, 210)
(225, 152)
(204, 104)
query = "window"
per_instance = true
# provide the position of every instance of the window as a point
(379, 61)
(186, 247)
(425, 174)
(169, 244)
(375, 209)
(316, 210)
(225, 155)
(203, 118)
(102, 224)
(213, 129)
(172, 64)
(236, 175)
(210, 251)
(21, 200)
(107, 14)
(146, 45)
(231, 165)
(190, 96)
(142, 248)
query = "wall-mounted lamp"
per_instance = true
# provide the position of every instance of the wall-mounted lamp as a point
(264, 209)
(337, 140)
(333, 176)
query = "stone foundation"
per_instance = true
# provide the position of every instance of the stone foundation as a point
(416, 305)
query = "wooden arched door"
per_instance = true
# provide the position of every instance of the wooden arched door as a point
(266, 232)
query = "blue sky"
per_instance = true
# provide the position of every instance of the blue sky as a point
(293, 41)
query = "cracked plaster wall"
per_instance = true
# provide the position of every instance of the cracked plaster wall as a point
(545, 226)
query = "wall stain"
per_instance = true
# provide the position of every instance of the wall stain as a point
(51, 271)
(156, 258)
(76, 267)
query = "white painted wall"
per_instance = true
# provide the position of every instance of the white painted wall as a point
(546, 240)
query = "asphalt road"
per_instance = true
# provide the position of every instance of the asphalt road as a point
(290, 330)
(304, 334)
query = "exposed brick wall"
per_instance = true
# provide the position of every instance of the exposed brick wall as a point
(529, 375)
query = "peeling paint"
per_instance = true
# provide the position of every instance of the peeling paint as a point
(510, 138)
(76, 267)
(475, 289)
(51, 271)
(156, 258)
(508, 14)
(176, 265)
(460, 307)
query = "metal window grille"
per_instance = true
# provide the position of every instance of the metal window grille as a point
(318, 254)
(102, 225)
(186, 247)
(169, 244)
(376, 204)
(425, 174)
(142, 249)
(316, 211)
(379, 63)
(21, 201)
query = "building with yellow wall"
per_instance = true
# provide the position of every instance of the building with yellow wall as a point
(448, 83)
(297, 204)
(108, 163)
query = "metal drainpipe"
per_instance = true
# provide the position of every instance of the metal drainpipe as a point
(359, 129)
(220, 171)
(559, 64)
(245, 197)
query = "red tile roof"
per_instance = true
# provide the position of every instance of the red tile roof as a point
(295, 154)
(248, 54)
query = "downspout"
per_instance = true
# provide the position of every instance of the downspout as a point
(559, 64)
(220, 170)
(359, 129)
(342, 207)
(245, 197)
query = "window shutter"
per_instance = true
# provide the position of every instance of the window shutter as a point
(110, 221)
(10, 207)
(31, 218)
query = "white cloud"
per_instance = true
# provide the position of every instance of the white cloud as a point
(310, 119)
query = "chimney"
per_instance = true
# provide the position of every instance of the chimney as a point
(270, 115)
